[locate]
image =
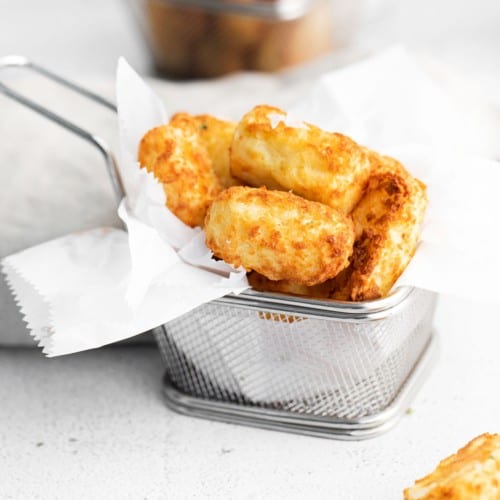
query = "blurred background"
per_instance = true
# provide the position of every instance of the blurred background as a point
(85, 37)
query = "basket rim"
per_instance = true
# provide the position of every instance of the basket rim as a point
(325, 308)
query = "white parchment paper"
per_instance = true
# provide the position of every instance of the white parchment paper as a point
(89, 289)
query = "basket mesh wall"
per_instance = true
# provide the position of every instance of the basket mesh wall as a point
(321, 367)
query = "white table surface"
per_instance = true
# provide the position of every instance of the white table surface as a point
(94, 425)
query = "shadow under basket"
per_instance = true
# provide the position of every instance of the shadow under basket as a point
(332, 369)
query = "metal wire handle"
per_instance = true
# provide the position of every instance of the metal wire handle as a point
(99, 143)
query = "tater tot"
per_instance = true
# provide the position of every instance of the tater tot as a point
(239, 30)
(279, 234)
(272, 53)
(170, 38)
(262, 284)
(317, 165)
(472, 473)
(179, 160)
(217, 135)
(387, 223)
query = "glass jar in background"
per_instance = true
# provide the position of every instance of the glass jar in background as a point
(209, 38)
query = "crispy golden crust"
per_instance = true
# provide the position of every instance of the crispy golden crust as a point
(179, 160)
(320, 166)
(317, 165)
(279, 235)
(387, 222)
(471, 473)
(217, 135)
(152, 145)
(262, 284)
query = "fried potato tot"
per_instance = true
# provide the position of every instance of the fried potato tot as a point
(317, 165)
(262, 284)
(178, 158)
(217, 136)
(472, 472)
(279, 234)
(387, 223)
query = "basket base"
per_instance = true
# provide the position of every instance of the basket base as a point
(326, 427)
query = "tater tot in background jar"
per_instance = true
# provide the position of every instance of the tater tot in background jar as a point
(242, 31)
(172, 32)
(213, 57)
(292, 42)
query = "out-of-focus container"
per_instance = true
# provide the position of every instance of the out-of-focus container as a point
(208, 38)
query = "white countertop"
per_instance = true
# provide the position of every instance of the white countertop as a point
(94, 425)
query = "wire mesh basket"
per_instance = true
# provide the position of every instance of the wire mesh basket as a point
(327, 368)
(317, 363)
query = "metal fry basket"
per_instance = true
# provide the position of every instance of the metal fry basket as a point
(334, 369)
(345, 370)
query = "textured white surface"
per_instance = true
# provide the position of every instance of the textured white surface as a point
(94, 425)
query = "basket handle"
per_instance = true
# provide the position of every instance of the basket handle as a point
(100, 144)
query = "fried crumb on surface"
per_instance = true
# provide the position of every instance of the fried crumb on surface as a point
(473, 473)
